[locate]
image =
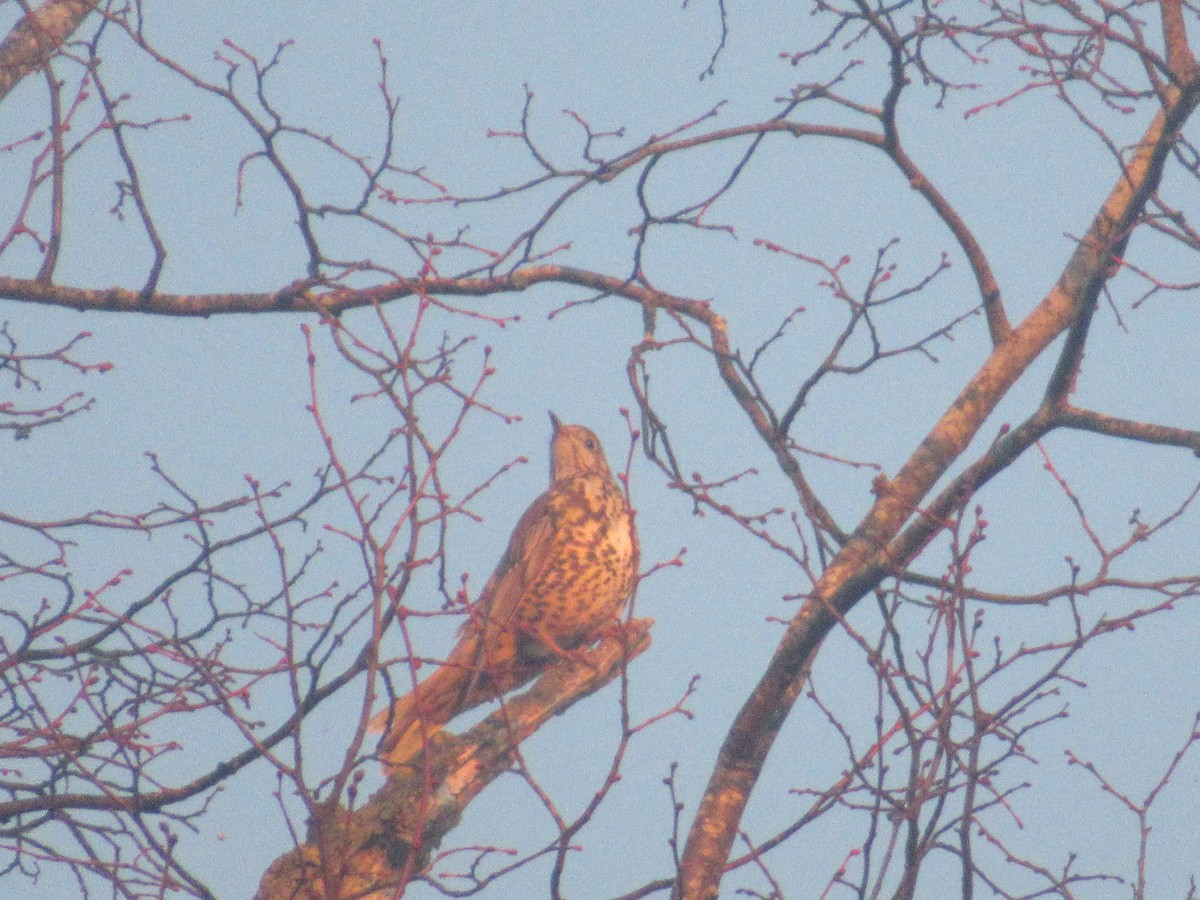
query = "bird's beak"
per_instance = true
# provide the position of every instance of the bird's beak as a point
(555, 422)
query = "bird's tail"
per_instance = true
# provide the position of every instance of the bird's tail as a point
(417, 716)
(414, 718)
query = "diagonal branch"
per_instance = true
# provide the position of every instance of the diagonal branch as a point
(374, 851)
(863, 562)
(33, 40)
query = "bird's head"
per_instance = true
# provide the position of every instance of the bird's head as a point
(574, 450)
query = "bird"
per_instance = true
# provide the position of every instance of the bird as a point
(565, 577)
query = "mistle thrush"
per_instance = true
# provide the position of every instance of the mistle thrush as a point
(566, 575)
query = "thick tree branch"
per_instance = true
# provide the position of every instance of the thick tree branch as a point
(303, 297)
(373, 851)
(863, 561)
(34, 39)
(1180, 59)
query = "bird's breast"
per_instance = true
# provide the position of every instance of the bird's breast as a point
(588, 574)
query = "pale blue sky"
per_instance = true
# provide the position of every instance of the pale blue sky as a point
(220, 398)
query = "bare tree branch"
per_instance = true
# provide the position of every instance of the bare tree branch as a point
(33, 40)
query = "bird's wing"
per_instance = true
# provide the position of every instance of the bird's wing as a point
(487, 640)
(530, 550)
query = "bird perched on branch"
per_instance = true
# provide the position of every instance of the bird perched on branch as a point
(566, 575)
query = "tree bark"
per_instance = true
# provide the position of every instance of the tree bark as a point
(33, 40)
(372, 852)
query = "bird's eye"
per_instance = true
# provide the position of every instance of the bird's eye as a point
(590, 444)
